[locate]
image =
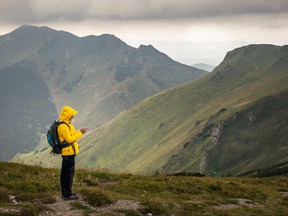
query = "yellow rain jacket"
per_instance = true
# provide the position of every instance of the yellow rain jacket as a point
(69, 134)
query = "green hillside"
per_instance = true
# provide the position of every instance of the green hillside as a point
(28, 190)
(255, 137)
(202, 126)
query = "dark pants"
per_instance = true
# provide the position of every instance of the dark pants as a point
(67, 174)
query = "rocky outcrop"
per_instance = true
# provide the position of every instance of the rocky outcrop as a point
(203, 164)
(216, 133)
(252, 116)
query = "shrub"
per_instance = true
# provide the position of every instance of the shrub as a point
(154, 208)
(214, 187)
(96, 197)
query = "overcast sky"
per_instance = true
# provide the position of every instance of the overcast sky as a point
(189, 31)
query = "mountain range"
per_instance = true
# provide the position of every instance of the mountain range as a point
(42, 70)
(227, 122)
(204, 66)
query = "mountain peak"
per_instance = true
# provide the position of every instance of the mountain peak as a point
(108, 36)
(147, 47)
(28, 30)
(26, 27)
(105, 39)
(251, 59)
(150, 50)
(253, 49)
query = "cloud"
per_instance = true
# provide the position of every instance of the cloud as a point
(14, 11)
(158, 22)
(33, 11)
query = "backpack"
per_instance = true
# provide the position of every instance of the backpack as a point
(53, 139)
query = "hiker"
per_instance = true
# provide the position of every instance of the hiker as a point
(67, 132)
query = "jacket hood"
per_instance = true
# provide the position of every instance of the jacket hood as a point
(66, 113)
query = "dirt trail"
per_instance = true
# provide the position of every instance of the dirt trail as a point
(64, 207)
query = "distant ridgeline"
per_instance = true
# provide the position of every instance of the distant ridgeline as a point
(42, 69)
(231, 121)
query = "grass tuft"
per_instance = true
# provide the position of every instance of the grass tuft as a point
(154, 208)
(96, 197)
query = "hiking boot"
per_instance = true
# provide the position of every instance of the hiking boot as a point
(72, 197)
(73, 194)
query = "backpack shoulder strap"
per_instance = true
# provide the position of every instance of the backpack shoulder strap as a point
(58, 123)
(61, 122)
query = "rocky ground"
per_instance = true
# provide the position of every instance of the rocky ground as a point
(77, 208)
(69, 208)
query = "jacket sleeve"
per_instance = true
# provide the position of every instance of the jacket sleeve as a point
(65, 134)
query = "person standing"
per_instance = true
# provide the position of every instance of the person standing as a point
(67, 133)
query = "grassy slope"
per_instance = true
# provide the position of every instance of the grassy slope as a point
(143, 138)
(160, 195)
(257, 144)
(243, 145)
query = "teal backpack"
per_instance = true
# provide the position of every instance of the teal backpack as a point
(53, 139)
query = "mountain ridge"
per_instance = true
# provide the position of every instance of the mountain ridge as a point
(144, 138)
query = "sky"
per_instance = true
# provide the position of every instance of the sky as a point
(189, 31)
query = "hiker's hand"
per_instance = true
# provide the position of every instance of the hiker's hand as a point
(83, 130)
